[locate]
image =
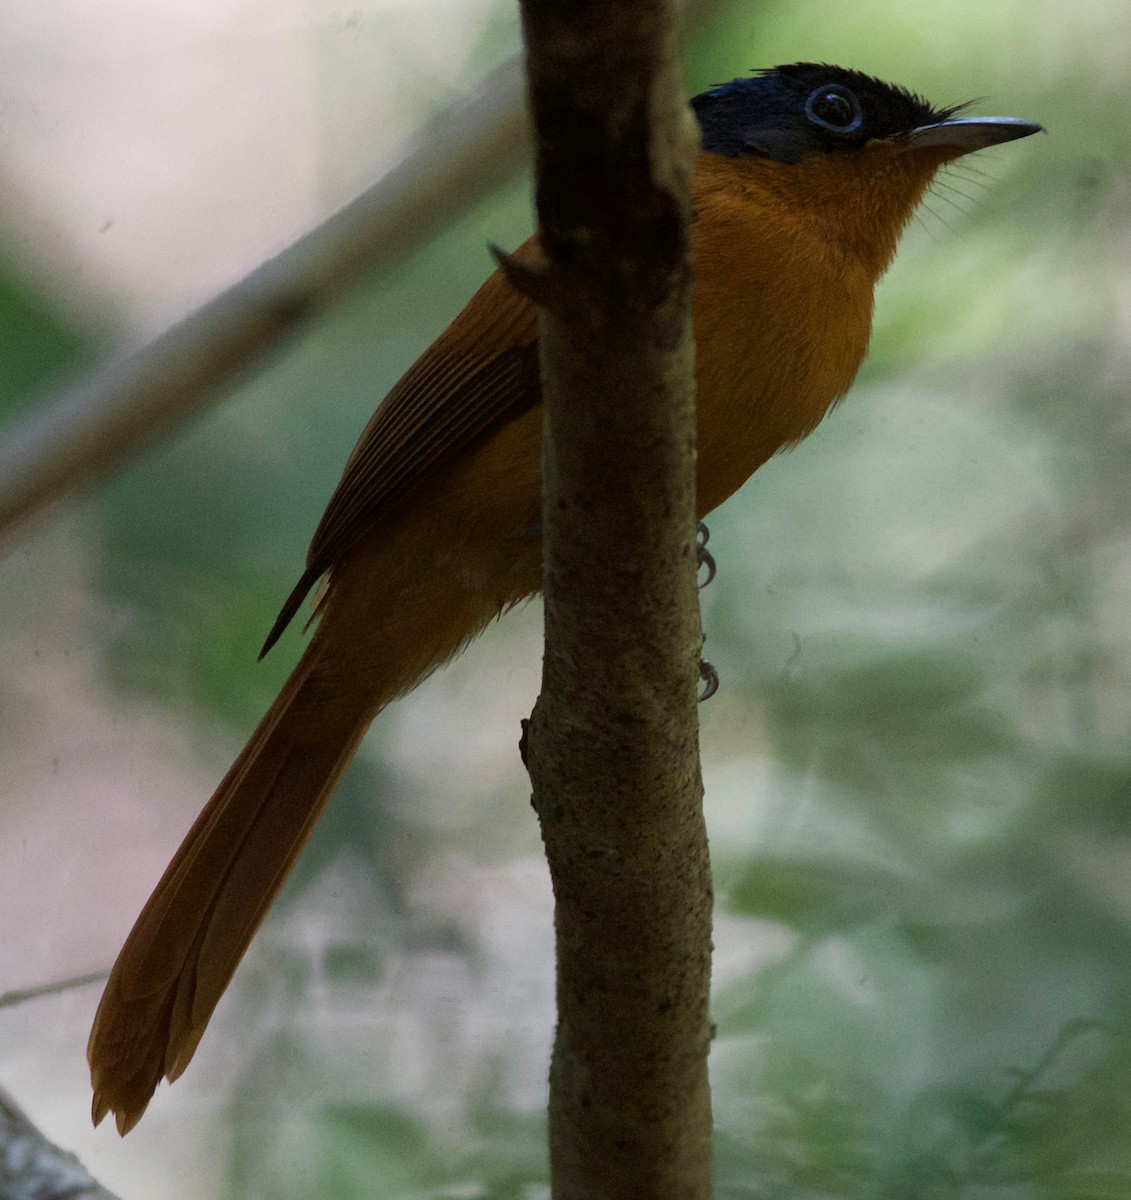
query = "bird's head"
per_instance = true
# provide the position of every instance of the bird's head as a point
(842, 147)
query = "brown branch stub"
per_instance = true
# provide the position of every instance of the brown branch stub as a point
(613, 741)
(529, 279)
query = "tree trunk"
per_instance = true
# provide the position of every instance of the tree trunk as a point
(612, 744)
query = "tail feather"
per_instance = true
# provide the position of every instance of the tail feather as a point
(187, 942)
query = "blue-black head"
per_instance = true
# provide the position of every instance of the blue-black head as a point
(788, 112)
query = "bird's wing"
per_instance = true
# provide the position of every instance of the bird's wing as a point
(480, 373)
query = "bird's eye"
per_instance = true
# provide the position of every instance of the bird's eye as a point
(834, 108)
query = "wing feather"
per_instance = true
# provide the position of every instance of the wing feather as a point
(479, 374)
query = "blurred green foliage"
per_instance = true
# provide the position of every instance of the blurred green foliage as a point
(918, 771)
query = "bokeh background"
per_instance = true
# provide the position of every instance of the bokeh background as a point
(917, 769)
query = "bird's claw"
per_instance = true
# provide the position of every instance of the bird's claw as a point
(703, 556)
(709, 678)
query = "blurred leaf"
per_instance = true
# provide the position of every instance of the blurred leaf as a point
(1088, 1185)
(375, 1150)
(38, 346)
(823, 896)
(877, 683)
(1091, 789)
(507, 1160)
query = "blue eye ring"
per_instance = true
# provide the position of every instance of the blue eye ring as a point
(834, 108)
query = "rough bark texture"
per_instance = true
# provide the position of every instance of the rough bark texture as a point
(613, 741)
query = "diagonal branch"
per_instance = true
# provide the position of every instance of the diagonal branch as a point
(76, 439)
(83, 435)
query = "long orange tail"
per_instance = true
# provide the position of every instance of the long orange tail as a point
(191, 935)
(398, 605)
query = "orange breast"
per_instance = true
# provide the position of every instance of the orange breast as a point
(782, 322)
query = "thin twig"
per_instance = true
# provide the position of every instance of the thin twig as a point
(22, 995)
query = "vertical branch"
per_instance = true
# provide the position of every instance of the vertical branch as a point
(613, 740)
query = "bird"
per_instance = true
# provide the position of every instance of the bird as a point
(805, 178)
